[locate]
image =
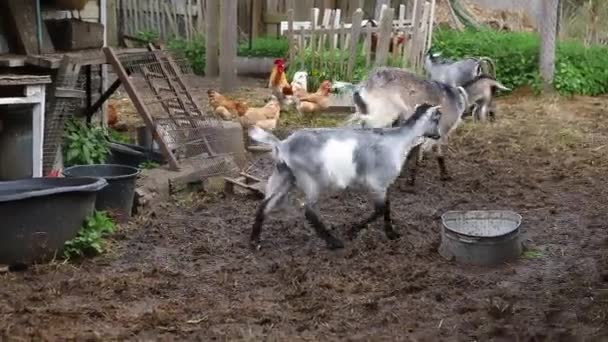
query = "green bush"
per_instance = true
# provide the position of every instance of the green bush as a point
(578, 70)
(515, 53)
(265, 47)
(194, 50)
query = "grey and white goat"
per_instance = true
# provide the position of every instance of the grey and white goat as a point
(318, 161)
(480, 91)
(457, 73)
(387, 92)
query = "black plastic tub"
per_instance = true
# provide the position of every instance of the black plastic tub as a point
(40, 214)
(117, 197)
(132, 155)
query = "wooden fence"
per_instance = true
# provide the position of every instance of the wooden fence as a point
(166, 18)
(185, 18)
(338, 46)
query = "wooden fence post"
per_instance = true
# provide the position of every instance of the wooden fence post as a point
(290, 35)
(212, 38)
(384, 36)
(229, 40)
(354, 40)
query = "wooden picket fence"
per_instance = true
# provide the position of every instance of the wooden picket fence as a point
(166, 18)
(340, 46)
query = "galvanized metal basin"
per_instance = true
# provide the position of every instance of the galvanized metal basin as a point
(481, 237)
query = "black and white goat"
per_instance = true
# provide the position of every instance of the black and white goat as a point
(388, 92)
(318, 161)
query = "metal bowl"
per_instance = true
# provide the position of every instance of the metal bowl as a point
(481, 237)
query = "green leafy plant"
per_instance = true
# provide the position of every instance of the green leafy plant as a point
(148, 165)
(90, 238)
(193, 50)
(148, 36)
(119, 136)
(265, 47)
(85, 145)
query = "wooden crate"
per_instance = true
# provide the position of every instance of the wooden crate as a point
(74, 34)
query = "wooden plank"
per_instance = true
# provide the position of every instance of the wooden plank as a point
(274, 18)
(70, 93)
(172, 22)
(188, 20)
(368, 48)
(212, 38)
(378, 8)
(200, 23)
(141, 108)
(290, 35)
(228, 33)
(12, 61)
(431, 24)
(423, 34)
(111, 22)
(384, 37)
(418, 8)
(314, 15)
(335, 25)
(136, 15)
(257, 26)
(162, 20)
(125, 16)
(38, 130)
(23, 19)
(73, 34)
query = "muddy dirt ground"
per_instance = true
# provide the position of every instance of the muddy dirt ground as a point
(185, 272)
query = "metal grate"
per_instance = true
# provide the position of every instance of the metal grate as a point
(188, 131)
(58, 110)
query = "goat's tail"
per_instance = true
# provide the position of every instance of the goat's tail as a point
(498, 85)
(263, 137)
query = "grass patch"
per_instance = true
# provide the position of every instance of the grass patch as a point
(533, 254)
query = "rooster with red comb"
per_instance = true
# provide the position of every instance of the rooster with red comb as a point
(279, 84)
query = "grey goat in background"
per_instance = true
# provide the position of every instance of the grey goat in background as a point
(388, 92)
(457, 73)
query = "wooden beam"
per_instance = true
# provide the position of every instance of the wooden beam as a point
(257, 26)
(229, 39)
(274, 18)
(23, 16)
(103, 98)
(212, 47)
(64, 93)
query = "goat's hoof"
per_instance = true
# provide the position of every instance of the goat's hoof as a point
(334, 243)
(353, 232)
(446, 178)
(392, 235)
(255, 245)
